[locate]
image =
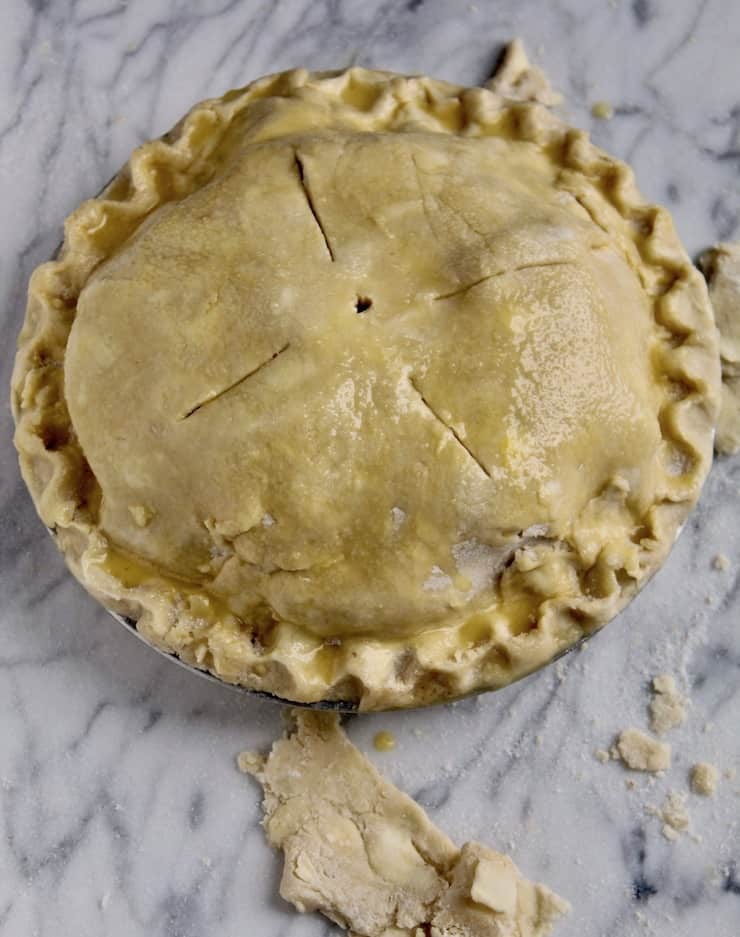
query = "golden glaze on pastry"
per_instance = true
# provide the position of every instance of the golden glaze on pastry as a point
(367, 387)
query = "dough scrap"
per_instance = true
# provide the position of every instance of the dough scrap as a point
(704, 778)
(721, 562)
(516, 78)
(367, 856)
(674, 815)
(668, 706)
(721, 266)
(641, 752)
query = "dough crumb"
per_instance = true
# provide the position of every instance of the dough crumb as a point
(721, 267)
(641, 752)
(367, 856)
(704, 778)
(668, 706)
(602, 756)
(664, 683)
(602, 110)
(518, 79)
(674, 815)
(721, 562)
(250, 762)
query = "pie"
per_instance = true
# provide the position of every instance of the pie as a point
(367, 388)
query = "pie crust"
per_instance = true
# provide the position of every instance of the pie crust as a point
(721, 266)
(368, 388)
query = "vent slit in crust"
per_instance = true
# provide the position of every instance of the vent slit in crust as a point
(500, 273)
(312, 205)
(217, 395)
(449, 428)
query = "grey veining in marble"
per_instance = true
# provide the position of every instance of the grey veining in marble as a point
(121, 812)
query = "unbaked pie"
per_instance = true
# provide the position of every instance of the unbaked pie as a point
(366, 387)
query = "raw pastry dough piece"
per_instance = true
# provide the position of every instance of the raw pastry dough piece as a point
(704, 778)
(722, 268)
(721, 562)
(668, 706)
(673, 813)
(367, 856)
(643, 753)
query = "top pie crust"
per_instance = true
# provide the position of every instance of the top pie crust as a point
(366, 387)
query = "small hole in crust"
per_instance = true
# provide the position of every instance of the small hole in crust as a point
(363, 304)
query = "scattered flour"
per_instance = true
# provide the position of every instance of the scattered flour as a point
(642, 752)
(399, 518)
(343, 406)
(437, 581)
(478, 562)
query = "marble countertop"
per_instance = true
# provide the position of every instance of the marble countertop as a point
(122, 812)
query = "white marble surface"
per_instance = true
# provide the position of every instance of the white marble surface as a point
(121, 810)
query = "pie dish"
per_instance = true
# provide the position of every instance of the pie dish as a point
(365, 387)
